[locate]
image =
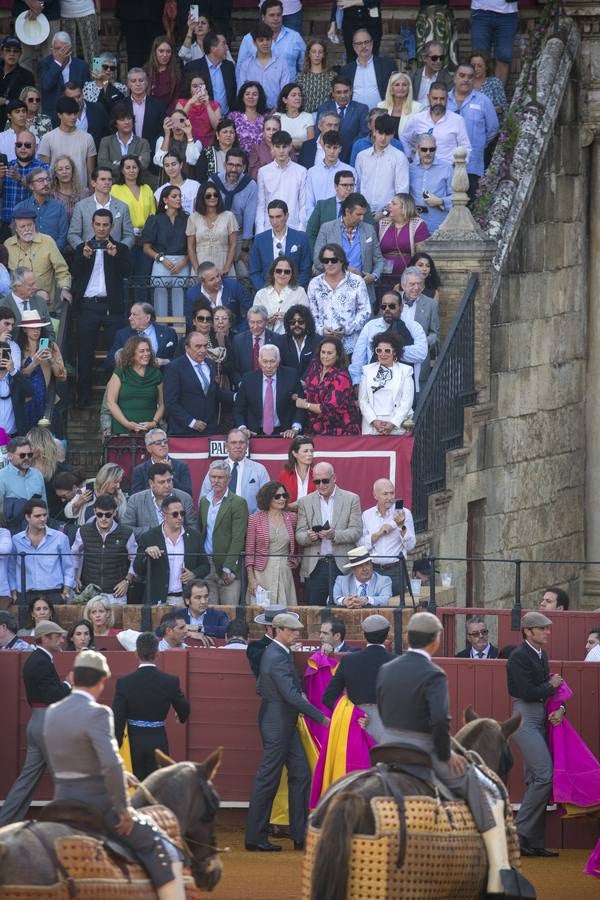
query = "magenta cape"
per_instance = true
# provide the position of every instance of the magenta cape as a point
(317, 676)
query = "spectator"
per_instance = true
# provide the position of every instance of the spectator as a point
(264, 67)
(261, 153)
(142, 322)
(9, 639)
(296, 475)
(249, 114)
(102, 88)
(493, 29)
(164, 240)
(223, 520)
(352, 114)
(218, 352)
(69, 487)
(197, 29)
(312, 152)
(65, 184)
(287, 43)
(148, 112)
(223, 320)
(177, 138)
(431, 70)
(100, 613)
(382, 170)
(388, 532)
(164, 73)
(173, 628)
(24, 296)
(37, 123)
(368, 72)
(213, 158)
(315, 77)
(51, 216)
(386, 390)
(13, 77)
(173, 169)
(271, 546)
(422, 309)
(425, 263)
(144, 509)
(135, 391)
(479, 117)
(80, 636)
(14, 388)
(212, 231)
(339, 300)
(107, 482)
(175, 554)
(82, 228)
(203, 113)
(430, 183)
(592, 645)
(139, 199)
(14, 187)
(219, 293)
(103, 552)
(192, 394)
(48, 459)
(239, 194)
(28, 249)
(320, 181)
(332, 637)
(246, 346)
(204, 622)
(329, 398)
(358, 240)
(554, 599)
(478, 645)
(281, 292)
(237, 636)
(487, 84)
(282, 180)
(157, 447)
(279, 240)
(47, 565)
(398, 101)
(19, 480)
(92, 117)
(217, 71)
(328, 209)
(362, 586)
(401, 232)
(39, 609)
(7, 324)
(339, 512)
(247, 476)
(366, 143)
(122, 142)
(265, 400)
(38, 365)
(447, 127)
(57, 68)
(298, 124)
(70, 140)
(300, 339)
(17, 122)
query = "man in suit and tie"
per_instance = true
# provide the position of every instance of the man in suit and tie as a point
(279, 240)
(81, 229)
(219, 291)
(23, 296)
(280, 689)
(175, 554)
(332, 635)
(144, 510)
(247, 344)
(357, 238)
(142, 320)
(368, 73)
(223, 522)
(352, 114)
(142, 701)
(216, 70)
(478, 646)
(157, 447)
(148, 112)
(98, 270)
(337, 510)
(265, 402)
(362, 586)
(58, 67)
(79, 735)
(192, 395)
(42, 687)
(418, 307)
(247, 475)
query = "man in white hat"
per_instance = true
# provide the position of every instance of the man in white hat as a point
(362, 586)
(79, 737)
(42, 687)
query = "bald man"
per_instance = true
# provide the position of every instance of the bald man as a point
(388, 531)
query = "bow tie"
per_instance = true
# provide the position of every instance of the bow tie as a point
(408, 302)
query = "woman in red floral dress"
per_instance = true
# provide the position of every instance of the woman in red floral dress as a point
(328, 396)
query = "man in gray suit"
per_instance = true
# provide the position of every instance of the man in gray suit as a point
(324, 547)
(418, 307)
(247, 476)
(79, 735)
(81, 230)
(144, 510)
(23, 295)
(358, 239)
(280, 688)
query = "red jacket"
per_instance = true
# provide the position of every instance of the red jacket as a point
(290, 482)
(257, 540)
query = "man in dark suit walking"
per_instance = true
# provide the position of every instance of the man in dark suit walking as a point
(255, 649)
(279, 686)
(142, 701)
(217, 71)
(265, 401)
(353, 115)
(42, 687)
(478, 646)
(192, 394)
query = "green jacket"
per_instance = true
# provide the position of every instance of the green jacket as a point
(229, 532)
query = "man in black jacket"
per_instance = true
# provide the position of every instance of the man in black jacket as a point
(478, 646)
(106, 550)
(530, 684)
(43, 687)
(99, 268)
(142, 701)
(215, 60)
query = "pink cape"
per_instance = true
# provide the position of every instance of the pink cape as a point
(317, 676)
(346, 749)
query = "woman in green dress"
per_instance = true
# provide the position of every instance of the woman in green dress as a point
(135, 391)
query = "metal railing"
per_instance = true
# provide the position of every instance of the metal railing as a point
(140, 289)
(439, 418)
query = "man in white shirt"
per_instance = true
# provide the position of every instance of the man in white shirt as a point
(592, 645)
(382, 170)
(282, 180)
(388, 531)
(173, 627)
(448, 128)
(247, 476)
(320, 179)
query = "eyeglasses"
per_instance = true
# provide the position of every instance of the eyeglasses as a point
(109, 68)
(104, 515)
(321, 480)
(362, 43)
(329, 260)
(161, 442)
(23, 144)
(427, 149)
(282, 496)
(24, 455)
(210, 196)
(177, 514)
(283, 271)
(41, 179)
(389, 306)
(436, 58)
(483, 633)
(203, 318)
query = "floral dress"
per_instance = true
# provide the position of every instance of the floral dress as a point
(249, 133)
(339, 414)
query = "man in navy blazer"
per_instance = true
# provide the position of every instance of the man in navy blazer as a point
(248, 405)
(219, 291)
(142, 321)
(51, 72)
(154, 110)
(353, 115)
(192, 395)
(478, 646)
(294, 244)
(203, 621)
(243, 344)
(215, 49)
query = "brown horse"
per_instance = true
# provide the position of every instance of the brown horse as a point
(185, 788)
(345, 809)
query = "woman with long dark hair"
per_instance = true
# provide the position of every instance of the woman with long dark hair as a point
(212, 159)
(164, 73)
(164, 240)
(203, 113)
(249, 114)
(328, 393)
(298, 123)
(212, 231)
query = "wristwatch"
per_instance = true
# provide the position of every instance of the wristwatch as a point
(161, 258)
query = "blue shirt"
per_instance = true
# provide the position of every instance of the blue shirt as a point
(218, 85)
(288, 44)
(211, 518)
(273, 77)
(52, 220)
(352, 250)
(22, 487)
(481, 123)
(14, 192)
(48, 567)
(437, 180)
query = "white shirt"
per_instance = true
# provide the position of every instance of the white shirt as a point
(594, 654)
(82, 120)
(188, 189)
(320, 181)
(275, 641)
(535, 649)
(475, 653)
(240, 473)
(205, 371)
(326, 516)
(280, 183)
(102, 205)
(408, 312)
(449, 132)
(175, 550)
(96, 286)
(279, 244)
(497, 6)
(382, 175)
(365, 88)
(302, 485)
(218, 301)
(66, 72)
(388, 547)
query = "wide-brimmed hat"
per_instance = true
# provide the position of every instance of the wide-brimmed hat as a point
(357, 557)
(32, 31)
(266, 617)
(30, 318)
(45, 627)
(128, 638)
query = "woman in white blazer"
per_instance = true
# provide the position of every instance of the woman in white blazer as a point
(386, 390)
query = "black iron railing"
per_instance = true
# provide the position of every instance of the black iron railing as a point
(142, 290)
(440, 415)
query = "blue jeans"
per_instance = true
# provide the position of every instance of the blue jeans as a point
(497, 30)
(294, 21)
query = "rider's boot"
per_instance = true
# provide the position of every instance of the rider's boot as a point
(503, 881)
(175, 889)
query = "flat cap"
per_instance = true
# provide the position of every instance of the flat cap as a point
(425, 623)
(374, 623)
(46, 627)
(535, 620)
(24, 210)
(91, 659)
(287, 620)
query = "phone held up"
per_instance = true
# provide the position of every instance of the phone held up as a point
(399, 504)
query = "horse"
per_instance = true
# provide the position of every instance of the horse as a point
(347, 809)
(184, 788)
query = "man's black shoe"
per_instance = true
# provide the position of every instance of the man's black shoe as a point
(263, 848)
(541, 851)
(526, 850)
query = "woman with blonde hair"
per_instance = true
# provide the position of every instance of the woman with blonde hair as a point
(100, 613)
(65, 184)
(37, 123)
(108, 481)
(401, 233)
(398, 101)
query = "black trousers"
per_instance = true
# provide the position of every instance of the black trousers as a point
(142, 743)
(138, 40)
(93, 316)
(319, 584)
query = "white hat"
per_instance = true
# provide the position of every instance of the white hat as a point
(32, 31)
(128, 638)
(357, 557)
(30, 318)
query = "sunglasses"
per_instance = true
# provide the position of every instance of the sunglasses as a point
(483, 633)
(23, 144)
(281, 496)
(210, 196)
(104, 515)
(159, 443)
(296, 321)
(25, 455)
(203, 318)
(178, 514)
(108, 68)
(321, 480)
(427, 149)
(389, 306)
(329, 260)
(436, 58)
(384, 350)
(283, 271)
(33, 100)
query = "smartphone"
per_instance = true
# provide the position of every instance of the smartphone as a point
(194, 12)
(426, 194)
(3, 159)
(96, 64)
(399, 504)
(4, 353)
(44, 344)
(97, 245)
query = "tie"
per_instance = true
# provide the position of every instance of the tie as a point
(480, 654)
(363, 590)
(203, 378)
(269, 409)
(233, 480)
(26, 304)
(341, 113)
(255, 350)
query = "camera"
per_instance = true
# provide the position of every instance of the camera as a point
(97, 245)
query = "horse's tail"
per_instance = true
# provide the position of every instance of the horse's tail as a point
(332, 854)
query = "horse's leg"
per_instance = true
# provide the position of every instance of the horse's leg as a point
(347, 814)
